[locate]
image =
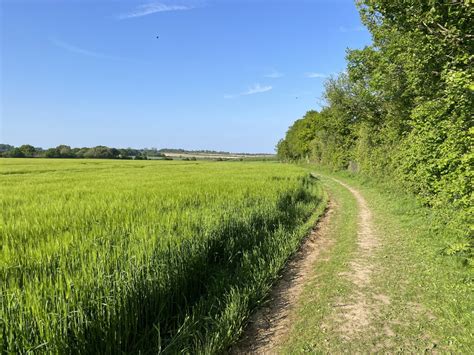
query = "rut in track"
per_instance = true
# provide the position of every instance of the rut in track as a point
(270, 324)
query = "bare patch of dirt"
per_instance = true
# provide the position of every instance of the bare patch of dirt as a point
(388, 331)
(383, 298)
(353, 318)
(271, 323)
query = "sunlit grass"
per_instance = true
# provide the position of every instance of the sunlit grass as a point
(431, 293)
(106, 256)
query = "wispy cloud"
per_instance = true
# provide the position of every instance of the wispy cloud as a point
(152, 8)
(274, 75)
(351, 29)
(74, 49)
(313, 75)
(255, 89)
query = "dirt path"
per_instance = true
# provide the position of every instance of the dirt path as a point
(270, 324)
(354, 313)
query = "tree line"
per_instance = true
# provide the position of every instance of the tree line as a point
(403, 109)
(65, 151)
(103, 152)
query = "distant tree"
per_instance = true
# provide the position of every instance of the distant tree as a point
(99, 152)
(65, 151)
(28, 150)
(6, 147)
(52, 153)
(298, 140)
(80, 152)
(75, 152)
(115, 153)
(125, 153)
(15, 153)
(283, 151)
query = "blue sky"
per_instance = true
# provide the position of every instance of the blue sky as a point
(225, 75)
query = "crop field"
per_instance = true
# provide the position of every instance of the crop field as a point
(103, 256)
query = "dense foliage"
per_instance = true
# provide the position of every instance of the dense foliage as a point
(403, 110)
(111, 257)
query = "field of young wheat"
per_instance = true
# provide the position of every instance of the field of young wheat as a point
(101, 256)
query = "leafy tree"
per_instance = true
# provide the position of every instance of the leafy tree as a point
(101, 152)
(15, 153)
(297, 143)
(65, 151)
(6, 147)
(28, 150)
(52, 153)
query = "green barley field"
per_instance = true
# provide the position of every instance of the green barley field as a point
(102, 256)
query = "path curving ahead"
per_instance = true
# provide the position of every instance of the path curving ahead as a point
(271, 324)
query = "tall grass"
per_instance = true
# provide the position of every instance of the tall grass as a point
(125, 256)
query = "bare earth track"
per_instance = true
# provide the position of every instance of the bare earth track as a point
(356, 313)
(270, 325)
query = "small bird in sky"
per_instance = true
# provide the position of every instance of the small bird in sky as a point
(157, 37)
